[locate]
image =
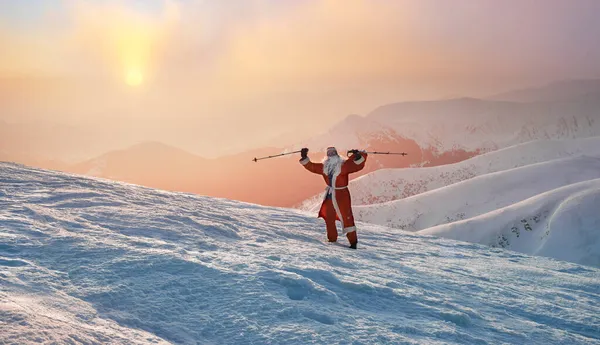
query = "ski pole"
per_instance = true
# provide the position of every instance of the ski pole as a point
(281, 154)
(387, 153)
(384, 153)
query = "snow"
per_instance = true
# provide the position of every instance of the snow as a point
(479, 194)
(391, 184)
(474, 124)
(563, 223)
(89, 261)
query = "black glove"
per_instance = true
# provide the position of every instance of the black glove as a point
(304, 153)
(356, 154)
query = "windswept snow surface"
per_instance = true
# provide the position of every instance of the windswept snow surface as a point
(563, 223)
(87, 261)
(392, 184)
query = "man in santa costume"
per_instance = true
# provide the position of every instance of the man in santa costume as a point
(336, 202)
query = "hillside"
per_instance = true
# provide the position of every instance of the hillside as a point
(480, 194)
(237, 177)
(86, 260)
(148, 163)
(473, 124)
(391, 184)
(562, 223)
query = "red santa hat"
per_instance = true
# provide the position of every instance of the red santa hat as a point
(331, 151)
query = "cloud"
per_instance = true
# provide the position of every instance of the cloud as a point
(322, 43)
(111, 38)
(26, 53)
(254, 69)
(262, 46)
(261, 57)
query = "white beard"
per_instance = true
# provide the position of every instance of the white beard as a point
(332, 165)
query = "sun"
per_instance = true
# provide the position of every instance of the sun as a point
(134, 77)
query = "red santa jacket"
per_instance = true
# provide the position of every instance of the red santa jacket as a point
(340, 195)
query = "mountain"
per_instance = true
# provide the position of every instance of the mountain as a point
(148, 163)
(236, 176)
(433, 133)
(559, 91)
(560, 110)
(470, 124)
(383, 135)
(562, 223)
(480, 194)
(87, 260)
(391, 184)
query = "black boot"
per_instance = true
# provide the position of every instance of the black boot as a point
(353, 245)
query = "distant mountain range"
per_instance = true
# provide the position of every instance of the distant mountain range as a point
(433, 133)
(465, 124)
(560, 91)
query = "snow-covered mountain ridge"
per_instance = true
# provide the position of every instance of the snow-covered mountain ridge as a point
(392, 184)
(88, 261)
(463, 125)
(480, 194)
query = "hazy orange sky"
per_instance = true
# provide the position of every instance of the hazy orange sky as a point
(183, 72)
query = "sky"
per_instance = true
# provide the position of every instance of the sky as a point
(222, 76)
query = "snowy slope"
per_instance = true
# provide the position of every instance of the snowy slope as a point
(480, 194)
(391, 184)
(563, 223)
(87, 261)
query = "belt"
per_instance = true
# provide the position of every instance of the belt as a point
(328, 188)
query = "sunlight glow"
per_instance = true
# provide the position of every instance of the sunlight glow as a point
(134, 77)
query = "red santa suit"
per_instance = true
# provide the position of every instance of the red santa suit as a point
(337, 204)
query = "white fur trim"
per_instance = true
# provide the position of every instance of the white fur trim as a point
(334, 200)
(358, 162)
(305, 161)
(349, 229)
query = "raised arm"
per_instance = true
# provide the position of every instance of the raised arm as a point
(315, 168)
(355, 163)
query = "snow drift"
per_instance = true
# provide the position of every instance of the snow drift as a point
(563, 223)
(87, 261)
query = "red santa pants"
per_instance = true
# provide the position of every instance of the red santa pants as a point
(332, 233)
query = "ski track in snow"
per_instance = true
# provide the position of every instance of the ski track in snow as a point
(88, 261)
